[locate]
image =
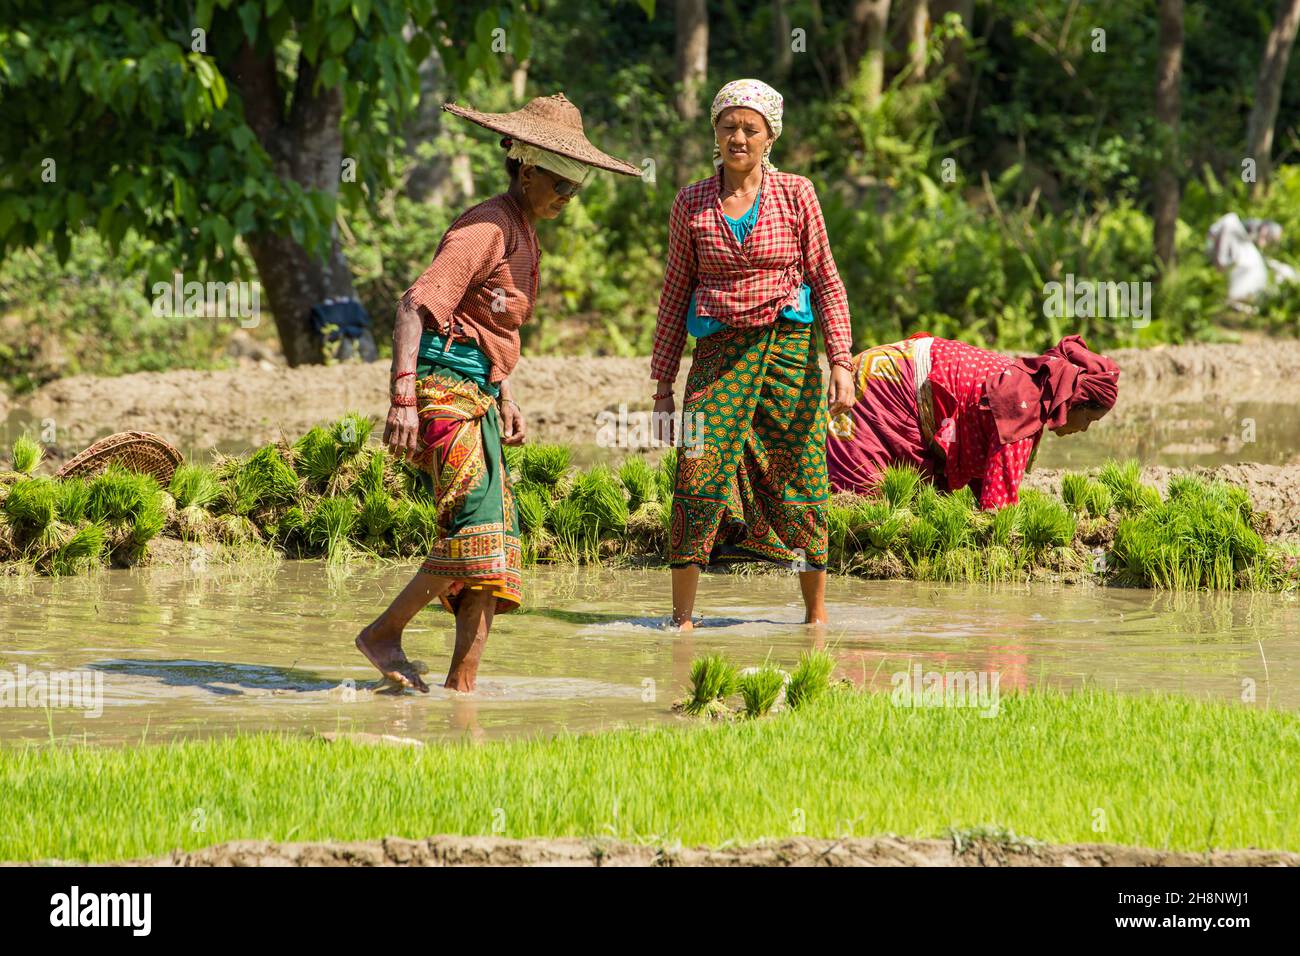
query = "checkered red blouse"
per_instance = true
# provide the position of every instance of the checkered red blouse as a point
(482, 282)
(748, 285)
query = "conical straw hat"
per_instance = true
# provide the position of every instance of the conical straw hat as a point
(551, 122)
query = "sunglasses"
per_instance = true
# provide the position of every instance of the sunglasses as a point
(562, 187)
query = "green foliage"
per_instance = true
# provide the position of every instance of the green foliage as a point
(330, 523)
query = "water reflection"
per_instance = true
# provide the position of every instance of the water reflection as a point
(186, 652)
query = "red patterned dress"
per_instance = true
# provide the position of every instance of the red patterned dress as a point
(934, 421)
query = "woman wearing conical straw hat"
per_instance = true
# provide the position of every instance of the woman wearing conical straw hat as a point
(749, 272)
(454, 346)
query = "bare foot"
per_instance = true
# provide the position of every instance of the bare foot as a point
(685, 625)
(460, 683)
(390, 660)
(815, 617)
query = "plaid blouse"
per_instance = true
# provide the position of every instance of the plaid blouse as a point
(748, 285)
(482, 282)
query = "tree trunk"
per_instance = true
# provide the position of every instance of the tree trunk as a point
(868, 20)
(692, 44)
(918, 18)
(783, 60)
(1268, 89)
(692, 56)
(1169, 71)
(954, 53)
(307, 148)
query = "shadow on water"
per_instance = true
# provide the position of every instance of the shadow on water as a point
(212, 675)
(653, 623)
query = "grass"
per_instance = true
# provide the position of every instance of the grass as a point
(1167, 772)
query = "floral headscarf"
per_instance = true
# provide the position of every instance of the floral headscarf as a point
(756, 95)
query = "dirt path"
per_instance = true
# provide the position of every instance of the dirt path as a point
(877, 851)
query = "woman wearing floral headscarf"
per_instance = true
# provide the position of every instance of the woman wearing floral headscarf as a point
(749, 270)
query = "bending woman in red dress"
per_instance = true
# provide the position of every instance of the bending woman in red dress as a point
(963, 415)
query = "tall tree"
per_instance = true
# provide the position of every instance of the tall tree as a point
(692, 55)
(868, 21)
(196, 124)
(1169, 72)
(1268, 89)
(783, 58)
(917, 21)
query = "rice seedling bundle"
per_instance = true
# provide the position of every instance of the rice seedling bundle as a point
(760, 688)
(810, 679)
(194, 486)
(417, 525)
(1044, 523)
(600, 495)
(666, 475)
(26, 454)
(545, 465)
(330, 523)
(879, 524)
(533, 506)
(713, 679)
(638, 478)
(317, 456)
(1125, 484)
(80, 552)
(1006, 521)
(898, 485)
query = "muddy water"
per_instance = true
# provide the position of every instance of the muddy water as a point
(185, 653)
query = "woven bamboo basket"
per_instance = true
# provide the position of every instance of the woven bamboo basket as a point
(136, 451)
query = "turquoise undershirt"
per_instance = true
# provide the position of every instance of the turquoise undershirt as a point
(702, 325)
(463, 357)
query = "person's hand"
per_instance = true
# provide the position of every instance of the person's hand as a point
(402, 431)
(664, 420)
(840, 396)
(513, 429)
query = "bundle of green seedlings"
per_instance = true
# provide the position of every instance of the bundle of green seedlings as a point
(589, 515)
(907, 528)
(719, 691)
(334, 494)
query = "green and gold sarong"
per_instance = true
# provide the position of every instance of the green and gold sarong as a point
(463, 468)
(751, 469)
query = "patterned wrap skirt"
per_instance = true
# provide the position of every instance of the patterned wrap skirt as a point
(751, 467)
(463, 467)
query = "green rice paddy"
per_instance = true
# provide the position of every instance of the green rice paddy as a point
(1152, 770)
(335, 493)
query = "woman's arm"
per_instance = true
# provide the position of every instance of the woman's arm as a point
(822, 276)
(402, 427)
(679, 282)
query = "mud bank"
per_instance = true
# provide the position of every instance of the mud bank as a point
(876, 851)
(561, 395)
